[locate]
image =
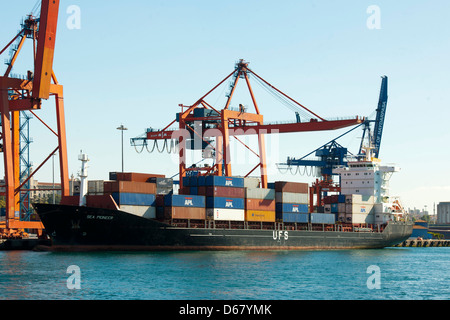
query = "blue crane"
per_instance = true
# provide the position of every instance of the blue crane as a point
(375, 139)
(332, 153)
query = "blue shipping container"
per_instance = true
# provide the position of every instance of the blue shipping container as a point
(341, 198)
(224, 181)
(193, 190)
(225, 203)
(180, 200)
(292, 207)
(327, 218)
(186, 181)
(293, 217)
(334, 208)
(136, 199)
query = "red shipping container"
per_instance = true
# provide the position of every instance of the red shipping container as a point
(101, 201)
(184, 190)
(201, 191)
(129, 187)
(185, 213)
(229, 192)
(260, 204)
(159, 200)
(294, 187)
(136, 177)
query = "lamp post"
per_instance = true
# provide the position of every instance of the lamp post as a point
(122, 128)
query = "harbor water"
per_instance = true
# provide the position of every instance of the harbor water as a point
(378, 274)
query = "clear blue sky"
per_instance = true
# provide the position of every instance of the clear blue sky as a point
(134, 62)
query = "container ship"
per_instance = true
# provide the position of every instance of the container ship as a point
(137, 211)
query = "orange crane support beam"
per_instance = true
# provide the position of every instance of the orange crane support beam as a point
(48, 23)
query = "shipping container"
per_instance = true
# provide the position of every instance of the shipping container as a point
(225, 214)
(334, 208)
(359, 199)
(260, 204)
(129, 187)
(95, 186)
(292, 207)
(161, 182)
(185, 191)
(222, 181)
(177, 200)
(136, 177)
(137, 199)
(327, 208)
(148, 212)
(341, 207)
(161, 190)
(98, 201)
(260, 193)
(251, 183)
(293, 217)
(186, 182)
(359, 208)
(326, 218)
(290, 197)
(295, 187)
(360, 218)
(341, 198)
(260, 215)
(159, 200)
(193, 191)
(225, 202)
(184, 213)
(225, 192)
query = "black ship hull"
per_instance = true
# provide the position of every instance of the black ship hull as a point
(74, 228)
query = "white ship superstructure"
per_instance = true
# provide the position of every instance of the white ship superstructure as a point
(366, 186)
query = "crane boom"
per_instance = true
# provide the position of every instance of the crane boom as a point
(381, 113)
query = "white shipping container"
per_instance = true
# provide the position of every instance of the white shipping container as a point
(226, 214)
(258, 193)
(251, 183)
(358, 208)
(141, 211)
(359, 199)
(360, 218)
(290, 197)
(327, 208)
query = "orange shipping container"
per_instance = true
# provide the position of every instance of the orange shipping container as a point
(129, 187)
(260, 204)
(294, 187)
(185, 213)
(260, 215)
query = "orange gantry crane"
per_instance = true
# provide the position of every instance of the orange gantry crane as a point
(17, 95)
(202, 121)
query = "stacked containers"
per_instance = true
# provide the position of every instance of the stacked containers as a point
(359, 209)
(224, 197)
(260, 204)
(335, 204)
(291, 201)
(135, 193)
(178, 206)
